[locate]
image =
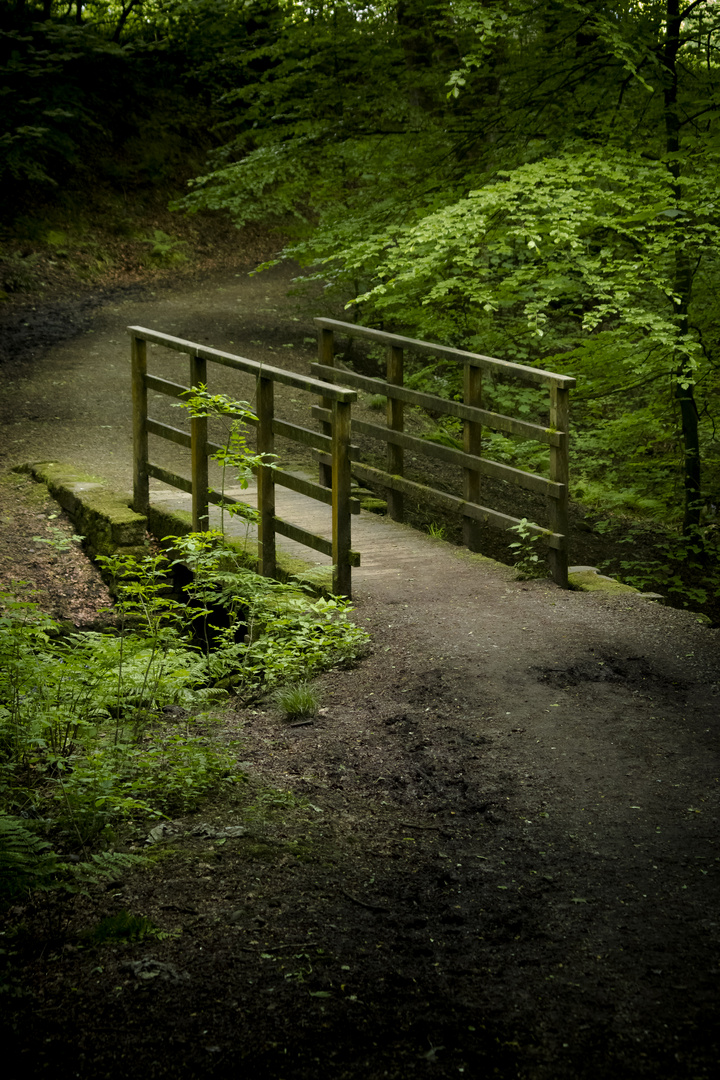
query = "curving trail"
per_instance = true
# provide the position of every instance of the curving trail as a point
(574, 735)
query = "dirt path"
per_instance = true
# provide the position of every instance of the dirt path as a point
(511, 819)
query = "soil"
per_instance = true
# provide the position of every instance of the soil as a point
(496, 854)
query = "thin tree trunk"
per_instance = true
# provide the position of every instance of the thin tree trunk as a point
(682, 285)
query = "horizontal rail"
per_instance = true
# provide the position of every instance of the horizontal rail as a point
(538, 484)
(165, 386)
(432, 403)
(171, 478)
(491, 363)
(241, 363)
(166, 431)
(177, 435)
(454, 503)
(311, 540)
(310, 488)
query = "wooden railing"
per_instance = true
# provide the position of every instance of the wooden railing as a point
(474, 417)
(335, 441)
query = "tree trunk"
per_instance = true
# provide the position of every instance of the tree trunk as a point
(683, 278)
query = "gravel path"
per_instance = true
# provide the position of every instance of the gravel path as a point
(577, 733)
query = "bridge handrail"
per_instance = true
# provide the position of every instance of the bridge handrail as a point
(488, 363)
(555, 435)
(335, 441)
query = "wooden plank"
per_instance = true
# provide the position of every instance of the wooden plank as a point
(558, 509)
(452, 502)
(341, 481)
(430, 449)
(492, 363)
(432, 403)
(165, 386)
(141, 487)
(302, 435)
(395, 421)
(172, 434)
(326, 357)
(171, 478)
(199, 451)
(265, 480)
(311, 540)
(310, 489)
(242, 363)
(472, 445)
(217, 499)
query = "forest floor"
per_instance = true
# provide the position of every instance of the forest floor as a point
(492, 853)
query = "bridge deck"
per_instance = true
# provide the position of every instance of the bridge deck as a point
(387, 548)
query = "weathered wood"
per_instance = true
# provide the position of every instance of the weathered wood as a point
(172, 434)
(265, 480)
(199, 451)
(472, 445)
(516, 371)
(495, 421)
(308, 488)
(167, 477)
(342, 577)
(165, 386)
(395, 421)
(311, 540)
(302, 435)
(141, 487)
(485, 466)
(326, 357)
(558, 509)
(242, 363)
(452, 502)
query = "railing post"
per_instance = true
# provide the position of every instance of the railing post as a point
(141, 485)
(199, 452)
(395, 456)
(265, 479)
(472, 444)
(326, 355)
(560, 473)
(342, 583)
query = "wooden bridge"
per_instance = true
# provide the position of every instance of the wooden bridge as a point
(335, 390)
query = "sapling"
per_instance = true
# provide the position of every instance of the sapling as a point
(235, 455)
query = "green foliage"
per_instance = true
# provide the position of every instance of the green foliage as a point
(235, 455)
(165, 250)
(298, 700)
(26, 861)
(685, 567)
(528, 563)
(89, 734)
(123, 926)
(533, 181)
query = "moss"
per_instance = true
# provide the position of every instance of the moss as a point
(375, 506)
(588, 580)
(103, 517)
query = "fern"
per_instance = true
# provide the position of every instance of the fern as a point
(26, 861)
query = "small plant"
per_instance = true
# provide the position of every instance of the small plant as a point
(298, 700)
(123, 927)
(235, 454)
(377, 401)
(528, 562)
(686, 566)
(438, 532)
(166, 250)
(59, 541)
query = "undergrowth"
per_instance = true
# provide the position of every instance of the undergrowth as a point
(102, 732)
